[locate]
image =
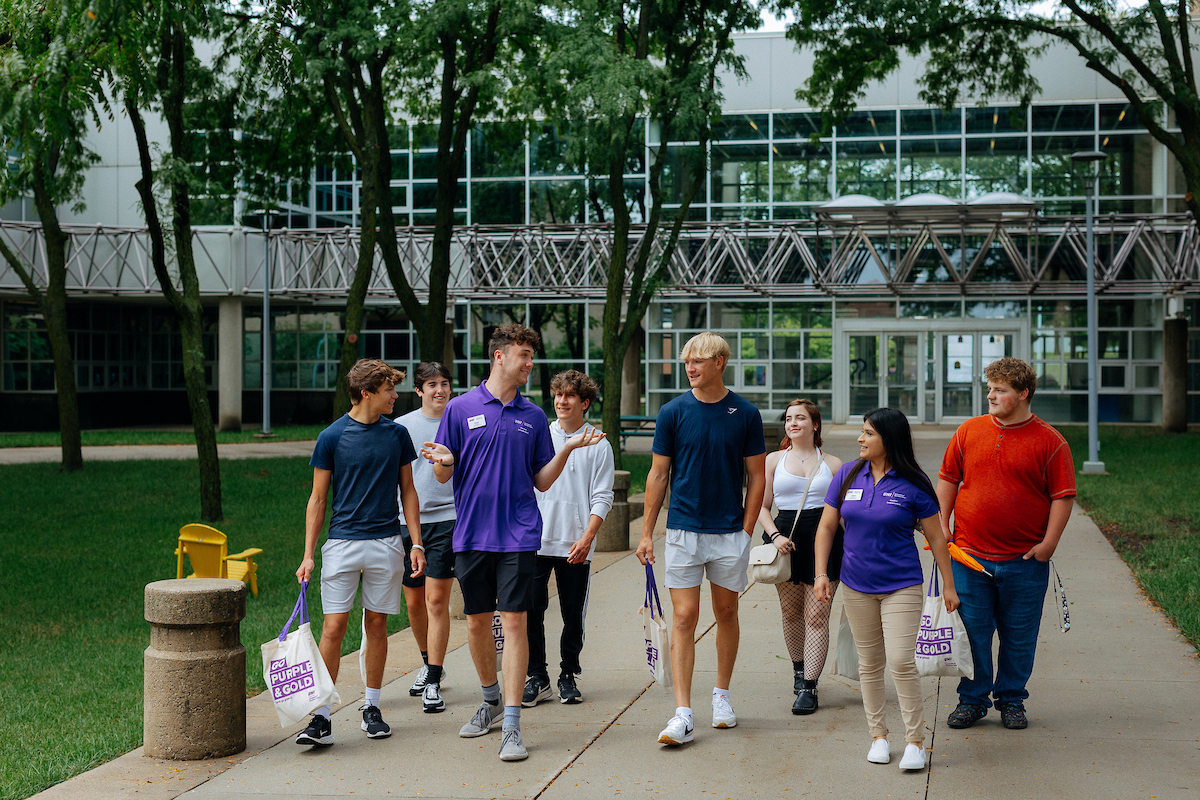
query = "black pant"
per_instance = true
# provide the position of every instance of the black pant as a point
(573, 581)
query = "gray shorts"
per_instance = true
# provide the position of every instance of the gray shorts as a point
(377, 561)
(724, 556)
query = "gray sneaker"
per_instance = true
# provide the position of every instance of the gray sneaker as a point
(512, 748)
(484, 720)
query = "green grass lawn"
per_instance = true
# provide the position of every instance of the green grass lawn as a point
(76, 551)
(1149, 508)
(287, 433)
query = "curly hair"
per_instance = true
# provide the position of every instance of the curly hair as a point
(1015, 372)
(367, 375)
(574, 382)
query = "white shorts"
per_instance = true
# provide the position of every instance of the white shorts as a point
(724, 556)
(380, 563)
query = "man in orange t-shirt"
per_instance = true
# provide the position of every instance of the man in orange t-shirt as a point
(1010, 480)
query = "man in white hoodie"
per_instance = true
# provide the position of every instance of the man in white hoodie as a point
(572, 512)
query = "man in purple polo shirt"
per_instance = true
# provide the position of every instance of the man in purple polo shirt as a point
(497, 447)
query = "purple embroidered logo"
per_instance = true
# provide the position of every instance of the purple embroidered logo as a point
(286, 681)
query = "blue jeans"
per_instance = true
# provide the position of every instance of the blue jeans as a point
(1008, 603)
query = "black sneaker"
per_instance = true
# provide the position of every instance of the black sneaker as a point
(1012, 715)
(568, 691)
(319, 732)
(373, 723)
(966, 715)
(537, 689)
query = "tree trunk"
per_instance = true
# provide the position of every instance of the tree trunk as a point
(54, 311)
(614, 300)
(355, 302)
(188, 309)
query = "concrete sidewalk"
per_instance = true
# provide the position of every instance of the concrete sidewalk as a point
(1114, 713)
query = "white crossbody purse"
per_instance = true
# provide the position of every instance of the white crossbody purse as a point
(767, 564)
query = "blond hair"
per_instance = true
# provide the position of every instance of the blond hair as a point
(706, 345)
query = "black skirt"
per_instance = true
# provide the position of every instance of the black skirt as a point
(805, 538)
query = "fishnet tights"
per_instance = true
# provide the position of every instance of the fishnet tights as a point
(805, 625)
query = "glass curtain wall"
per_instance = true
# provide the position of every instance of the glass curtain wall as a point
(765, 166)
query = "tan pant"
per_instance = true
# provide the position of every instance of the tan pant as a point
(885, 630)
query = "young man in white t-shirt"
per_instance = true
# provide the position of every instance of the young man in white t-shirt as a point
(428, 596)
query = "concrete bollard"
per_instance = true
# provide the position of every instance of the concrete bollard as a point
(614, 533)
(195, 680)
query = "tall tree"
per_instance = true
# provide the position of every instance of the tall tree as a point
(364, 61)
(987, 47)
(51, 86)
(158, 72)
(613, 66)
(460, 64)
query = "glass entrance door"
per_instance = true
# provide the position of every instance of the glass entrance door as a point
(932, 370)
(903, 380)
(885, 370)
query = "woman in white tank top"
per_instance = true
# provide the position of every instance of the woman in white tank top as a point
(805, 618)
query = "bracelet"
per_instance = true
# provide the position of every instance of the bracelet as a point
(420, 547)
(774, 535)
(822, 575)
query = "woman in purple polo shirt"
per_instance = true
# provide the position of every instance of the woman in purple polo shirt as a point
(881, 498)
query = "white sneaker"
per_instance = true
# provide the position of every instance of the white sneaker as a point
(914, 757)
(723, 716)
(880, 752)
(678, 731)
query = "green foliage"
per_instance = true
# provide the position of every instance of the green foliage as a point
(52, 70)
(76, 551)
(1148, 508)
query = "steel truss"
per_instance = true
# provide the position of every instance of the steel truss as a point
(872, 253)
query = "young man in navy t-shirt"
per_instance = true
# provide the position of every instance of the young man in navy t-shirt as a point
(497, 447)
(705, 442)
(362, 458)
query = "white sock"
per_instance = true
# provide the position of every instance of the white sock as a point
(325, 712)
(373, 696)
(684, 712)
(720, 693)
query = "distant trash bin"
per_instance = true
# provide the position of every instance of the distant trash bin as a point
(195, 679)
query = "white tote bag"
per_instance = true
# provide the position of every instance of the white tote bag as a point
(294, 671)
(845, 655)
(654, 627)
(943, 648)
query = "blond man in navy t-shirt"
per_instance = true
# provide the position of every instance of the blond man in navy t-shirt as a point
(706, 442)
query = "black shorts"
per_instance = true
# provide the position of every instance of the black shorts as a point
(438, 540)
(495, 581)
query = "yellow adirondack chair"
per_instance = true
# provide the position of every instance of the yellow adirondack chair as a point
(208, 552)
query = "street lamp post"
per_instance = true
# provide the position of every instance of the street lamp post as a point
(1093, 466)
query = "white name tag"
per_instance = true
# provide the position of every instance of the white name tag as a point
(854, 494)
(478, 421)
